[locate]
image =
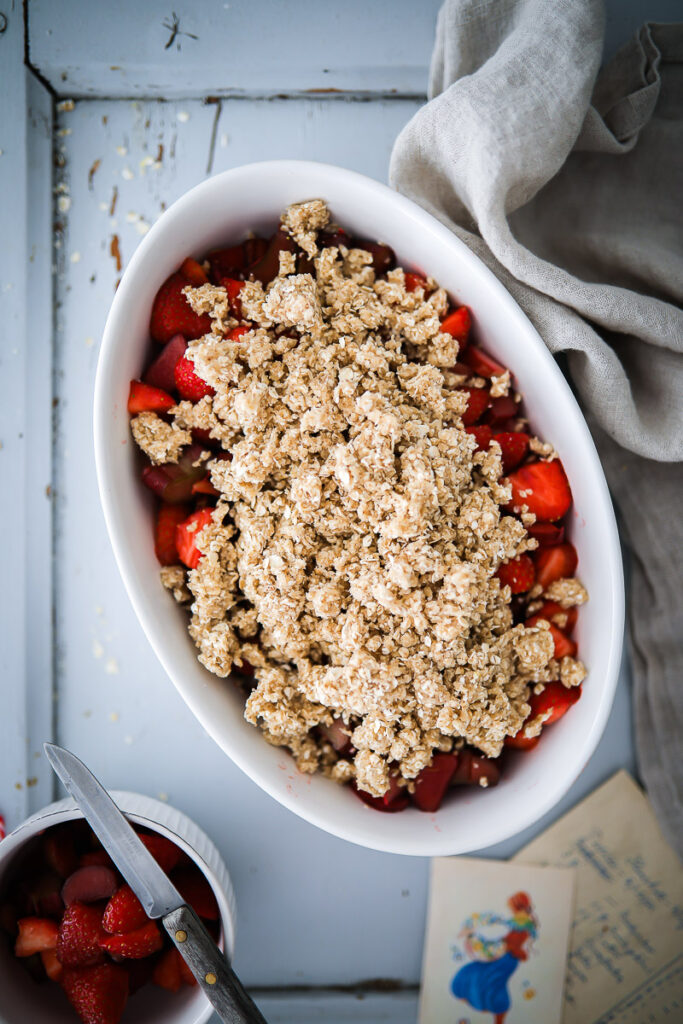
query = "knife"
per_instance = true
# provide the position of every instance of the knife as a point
(154, 889)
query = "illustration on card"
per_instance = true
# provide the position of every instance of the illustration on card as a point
(494, 945)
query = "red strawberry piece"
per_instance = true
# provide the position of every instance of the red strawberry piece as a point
(553, 702)
(267, 267)
(136, 944)
(254, 250)
(173, 481)
(563, 618)
(172, 313)
(414, 281)
(168, 518)
(433, 781)
(88, 885)
(195, 890)
(97, 994)
(238, 332)
(186, 535)
(205, 487)
(543, 487)
(52, 964)
(501, 411)
(458, 324)
(166, 972)
(477, 403)
(144, 398)
(383, 256)
(35, 935)
(161, 372)
(337, 734)
(563, 645)
(555, 563)
(233, 288)
(546, 534)
(473, 767)
(395, 799)
(521, 742)
(96, 858)
(482, 434)
(60, 852)
(225, 263)
(188, 382)
(481, 363)
(514, 447)
(124, 912)
(193, 272)
(166, 854)
(518, 574)
(80, 931)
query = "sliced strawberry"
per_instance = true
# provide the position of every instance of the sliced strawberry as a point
(173, 481)
(136, 944)
(225, 263)
(161, 372)
(168, 518)
(458, 325)
(124, 912)
(233, 288)
(543, 487)
(80, 931)
(60, 852)
(481, 363)
(563, 645)
(144, 398)
(52, 964)
(433, 781)
(501, 411)
(518, 574)
(205, 487)
(554, 701)
(514, 447)
(556, 563)
(414, 281)
(88, 885)
(521, 742)
(482, 434)
(473, 767)
(95, 858)
(267, 267)
(166, 854)
(97, 994)
(186, 535)
(188, 382)
(172, 313)
(477, 402)
(193, 272)
(395, 799)
(35, 935)
(563, 618)
(195, 890)
(547, 534)
(238, 332)
(166, 972)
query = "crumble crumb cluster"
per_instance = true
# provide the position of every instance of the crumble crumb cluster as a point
(352, 555)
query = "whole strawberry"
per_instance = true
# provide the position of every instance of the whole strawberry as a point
(80, 931)
(97, 994)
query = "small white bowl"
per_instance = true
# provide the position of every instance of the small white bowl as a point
(24, 1002)
(220, 211)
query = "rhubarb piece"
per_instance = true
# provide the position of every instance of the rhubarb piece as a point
(88, 885)
(433, 781)
(161, 373)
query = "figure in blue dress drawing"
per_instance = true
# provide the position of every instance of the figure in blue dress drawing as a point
(483, 983)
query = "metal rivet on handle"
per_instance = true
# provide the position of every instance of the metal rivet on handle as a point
(181, 936)
(210, 978)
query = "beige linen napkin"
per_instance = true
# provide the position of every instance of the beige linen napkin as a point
(571, 190)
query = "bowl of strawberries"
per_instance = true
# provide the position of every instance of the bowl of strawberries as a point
(514, 559)
(75, 942)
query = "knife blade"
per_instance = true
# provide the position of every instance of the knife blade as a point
(154, 889)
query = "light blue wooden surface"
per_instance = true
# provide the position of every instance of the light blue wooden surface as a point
(314, 911)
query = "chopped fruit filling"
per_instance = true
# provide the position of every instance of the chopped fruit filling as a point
(353, 504)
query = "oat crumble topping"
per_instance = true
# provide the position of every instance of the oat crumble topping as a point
(352, 554)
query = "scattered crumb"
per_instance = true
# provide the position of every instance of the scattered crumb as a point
(183, 116)
(111, 667)
(75, 257)
(64, 204)
(65, 106)
(127, 174)
(114, 716)
(97, 649)
(122, 150)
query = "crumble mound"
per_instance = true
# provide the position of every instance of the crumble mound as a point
(352, 555)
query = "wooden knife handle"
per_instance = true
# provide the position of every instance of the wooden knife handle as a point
(218, 981)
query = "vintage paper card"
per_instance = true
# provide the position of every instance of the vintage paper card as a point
(626, 954)
(496, 944)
